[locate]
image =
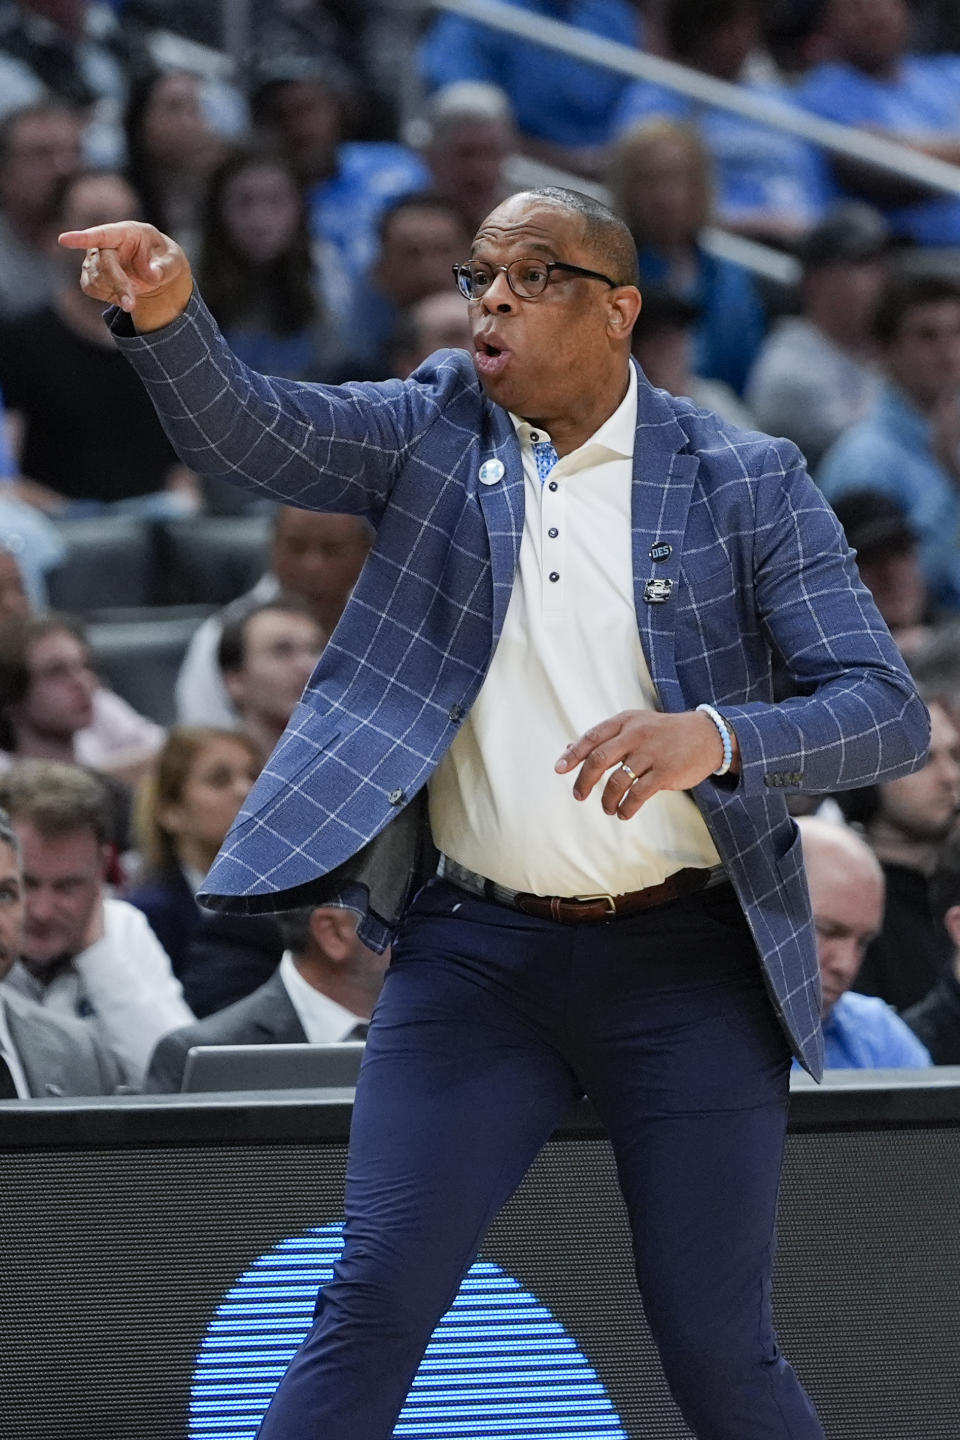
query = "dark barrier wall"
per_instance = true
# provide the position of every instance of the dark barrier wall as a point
(159, 1260)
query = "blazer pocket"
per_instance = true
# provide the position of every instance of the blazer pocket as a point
(702, 589)
(790, 863)
(710, 621)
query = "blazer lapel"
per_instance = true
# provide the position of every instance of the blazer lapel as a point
(41, 1061)
(499, 486)
(276, 1019)
(663, 478)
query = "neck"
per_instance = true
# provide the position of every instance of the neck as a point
(924, 404)
(327, 613)
(571, 429)
(38, 745)
(679, 255)
(193, 854)
(338, 984)
(892, 847)
(832, 322)
(263, 731)
(47, 970)
(880, 69)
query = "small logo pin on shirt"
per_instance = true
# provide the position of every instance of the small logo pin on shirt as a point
(655, 592)
(660, 551)
(491, 471)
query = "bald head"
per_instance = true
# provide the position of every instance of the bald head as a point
(826, 844)
(602, 233)
(847, 896)
(560, 356)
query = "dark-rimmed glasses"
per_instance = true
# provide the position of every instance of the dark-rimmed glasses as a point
(526, 277)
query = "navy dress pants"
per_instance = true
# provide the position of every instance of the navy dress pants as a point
(490, 1024)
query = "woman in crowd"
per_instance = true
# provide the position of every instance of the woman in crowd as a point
(171, 150)
(660, 175)
(184, 808)
(257, 270)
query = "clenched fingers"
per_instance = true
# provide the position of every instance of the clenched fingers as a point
(103, 278)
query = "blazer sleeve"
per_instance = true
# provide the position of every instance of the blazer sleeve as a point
(856, 718)
(320, 447)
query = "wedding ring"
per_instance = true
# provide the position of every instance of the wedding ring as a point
(624, 766)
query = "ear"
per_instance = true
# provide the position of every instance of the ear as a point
(233, 681)
(952, 922)
(106, 860)
(623, 307)
(334, 930)
(169, 816)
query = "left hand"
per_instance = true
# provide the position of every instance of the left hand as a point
(665, 752)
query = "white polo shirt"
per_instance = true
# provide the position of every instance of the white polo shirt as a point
(569, 657)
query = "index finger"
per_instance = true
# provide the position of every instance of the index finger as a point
(100, 237)
(580, 749)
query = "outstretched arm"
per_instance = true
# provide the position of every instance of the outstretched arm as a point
(319, 447)
(135, 266)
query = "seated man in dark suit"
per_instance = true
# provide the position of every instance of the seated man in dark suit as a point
(936, 1018)
(40, 1054)
(324, 990)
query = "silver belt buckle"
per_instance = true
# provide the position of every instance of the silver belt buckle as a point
(611, 903)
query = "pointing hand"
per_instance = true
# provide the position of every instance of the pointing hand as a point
(135, 266)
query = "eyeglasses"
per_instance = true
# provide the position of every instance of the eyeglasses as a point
(526, 278)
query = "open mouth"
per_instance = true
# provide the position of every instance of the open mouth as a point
(490, 359)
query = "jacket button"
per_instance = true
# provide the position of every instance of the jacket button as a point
(455, 713)
(396, 797)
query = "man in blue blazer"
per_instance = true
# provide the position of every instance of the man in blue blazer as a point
(569, 565)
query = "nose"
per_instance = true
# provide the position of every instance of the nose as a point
(39, 906)
(499, 298)
(949, 772)
(841, 959)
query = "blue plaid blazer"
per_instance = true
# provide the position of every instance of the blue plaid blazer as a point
(758, 565)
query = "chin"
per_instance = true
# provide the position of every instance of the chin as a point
(42, 955)
(500, 389)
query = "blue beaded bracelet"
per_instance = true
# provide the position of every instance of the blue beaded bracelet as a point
(725, 736)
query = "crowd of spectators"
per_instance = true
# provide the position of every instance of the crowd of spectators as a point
(323, 184)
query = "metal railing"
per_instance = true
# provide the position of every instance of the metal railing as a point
(887, 155)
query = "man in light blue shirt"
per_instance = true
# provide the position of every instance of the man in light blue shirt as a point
(872, 82)
(768, 182)
(908, 446)
(25, 533)
(847, 894)
(559, 101)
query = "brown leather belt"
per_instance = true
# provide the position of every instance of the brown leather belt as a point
(584, 908)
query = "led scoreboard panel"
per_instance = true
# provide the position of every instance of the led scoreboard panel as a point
(161, 1257)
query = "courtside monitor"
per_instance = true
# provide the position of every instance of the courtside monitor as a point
(272, 1067)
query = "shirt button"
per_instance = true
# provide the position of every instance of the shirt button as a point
(553, 532)
(396, 797)
(455, 713)
(554, 575)
(534, 436)
(552, 485)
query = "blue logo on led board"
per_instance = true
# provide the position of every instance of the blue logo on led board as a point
(499, 1364)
